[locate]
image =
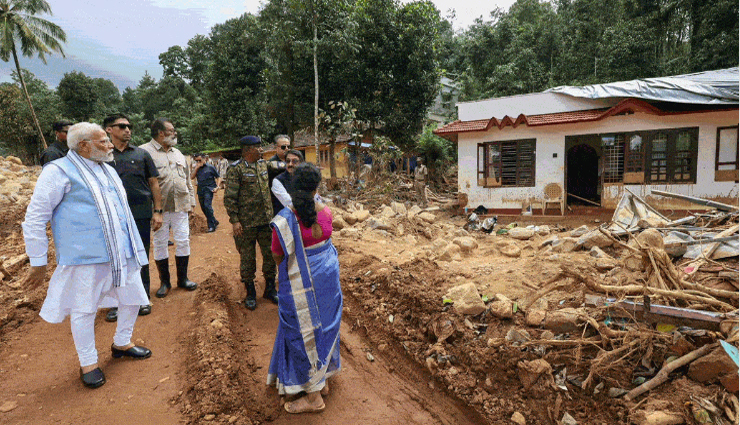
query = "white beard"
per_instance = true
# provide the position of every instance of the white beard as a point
(99, 155)
(170, 141)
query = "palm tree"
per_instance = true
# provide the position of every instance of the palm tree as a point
(35, 35)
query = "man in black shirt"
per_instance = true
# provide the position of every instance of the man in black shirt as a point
(139, 176)
(59, 148)
(282, 145)
(208, 184)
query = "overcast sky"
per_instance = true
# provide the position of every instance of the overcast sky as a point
(123, 39)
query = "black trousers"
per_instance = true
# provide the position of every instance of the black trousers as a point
(144, 226)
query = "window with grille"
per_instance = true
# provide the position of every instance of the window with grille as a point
(507, 163)
(726, 159)
(662, 156)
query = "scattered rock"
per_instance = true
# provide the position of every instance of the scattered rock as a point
(531, 371)
(594, 238)
(577, 233)
(712, 367)
(663, 418)
(349, 233)
(518, 419)
(518, 335)
(511, 250)
(387, 212)
(568, 419)
(362, 215)
(521, 233)
(615, 392)
(651, 238)
(535, 318)
(338, 223)
(466, 243)
(466, 299)
(399, 208)
(503, 308)
(8, 405)
(413, 211)
(377, 224)
(547, 335)
(564, 245)
(543, 230)
(370, 357)
(209, 417)
(449, 252)
(598, 253)
(605, 264)
(350, 219)
(564, 320)
(548, 241)
(428, 217)
(14, 159)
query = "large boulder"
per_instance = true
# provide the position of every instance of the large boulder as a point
(338, 223)
(521, 233)
(712, 367)
(466, 299)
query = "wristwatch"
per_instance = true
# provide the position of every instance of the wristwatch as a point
(159, 211)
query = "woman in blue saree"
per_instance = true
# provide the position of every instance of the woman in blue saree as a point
(306, 350)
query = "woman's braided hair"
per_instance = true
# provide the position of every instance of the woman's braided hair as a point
(305, 180)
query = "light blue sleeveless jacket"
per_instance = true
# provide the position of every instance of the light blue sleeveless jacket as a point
(76, 226)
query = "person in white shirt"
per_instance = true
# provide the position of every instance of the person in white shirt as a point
(98, 249)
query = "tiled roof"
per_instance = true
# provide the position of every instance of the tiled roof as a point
(625, 106)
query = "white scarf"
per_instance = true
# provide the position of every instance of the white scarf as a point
(108, 218)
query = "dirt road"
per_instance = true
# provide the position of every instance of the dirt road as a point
(209, 364)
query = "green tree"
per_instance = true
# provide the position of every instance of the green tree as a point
(37, 36)
(78, 95)
(174, 63)
(338, 120)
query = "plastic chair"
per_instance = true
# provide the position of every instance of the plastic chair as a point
(554, 195)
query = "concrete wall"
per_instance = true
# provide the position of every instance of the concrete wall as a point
(551, 140)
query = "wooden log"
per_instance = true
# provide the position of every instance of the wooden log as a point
(662, 376)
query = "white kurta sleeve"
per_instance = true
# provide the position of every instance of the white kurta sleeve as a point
(281, 194)
(50, 189)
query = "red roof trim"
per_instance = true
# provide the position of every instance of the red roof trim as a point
(623, 107)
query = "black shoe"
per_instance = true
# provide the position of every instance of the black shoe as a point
(93, 379)
(162, 291)
(144, 310)
(134, 352)
(182, 273)
(170, 243)
(250, 303)
(216, 225)
(271, 295)
(112, 315)
(211, 229)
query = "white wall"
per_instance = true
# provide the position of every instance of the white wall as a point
(551, 139)
(527, 104)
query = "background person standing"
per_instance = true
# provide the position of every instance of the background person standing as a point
(59, 148)
(139, 175)
(247, 201)
(209, 181)
(178, 200)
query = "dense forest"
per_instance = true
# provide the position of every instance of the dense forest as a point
(255, 74)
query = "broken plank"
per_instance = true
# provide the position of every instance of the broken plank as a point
(698, 319)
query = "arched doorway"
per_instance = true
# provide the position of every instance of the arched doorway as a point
(583, 174)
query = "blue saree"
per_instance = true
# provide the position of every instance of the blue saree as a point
(306, 350)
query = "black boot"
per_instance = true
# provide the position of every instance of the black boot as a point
(270, 292)
(164, 277)
(182, 274)
(251, 301)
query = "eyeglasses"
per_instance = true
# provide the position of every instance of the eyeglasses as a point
(293, 161)
(285, 147)
(123, 126)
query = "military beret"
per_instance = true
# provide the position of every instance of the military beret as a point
(250, 140)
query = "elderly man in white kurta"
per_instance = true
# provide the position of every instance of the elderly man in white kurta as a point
(98, 250)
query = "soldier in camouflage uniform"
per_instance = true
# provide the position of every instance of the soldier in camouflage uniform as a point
(247, 201)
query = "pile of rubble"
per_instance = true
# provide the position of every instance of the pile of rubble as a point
(658, 298)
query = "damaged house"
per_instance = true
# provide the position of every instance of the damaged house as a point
(676, 134)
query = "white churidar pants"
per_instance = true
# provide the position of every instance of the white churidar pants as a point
(178, 222)
(83, 332)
